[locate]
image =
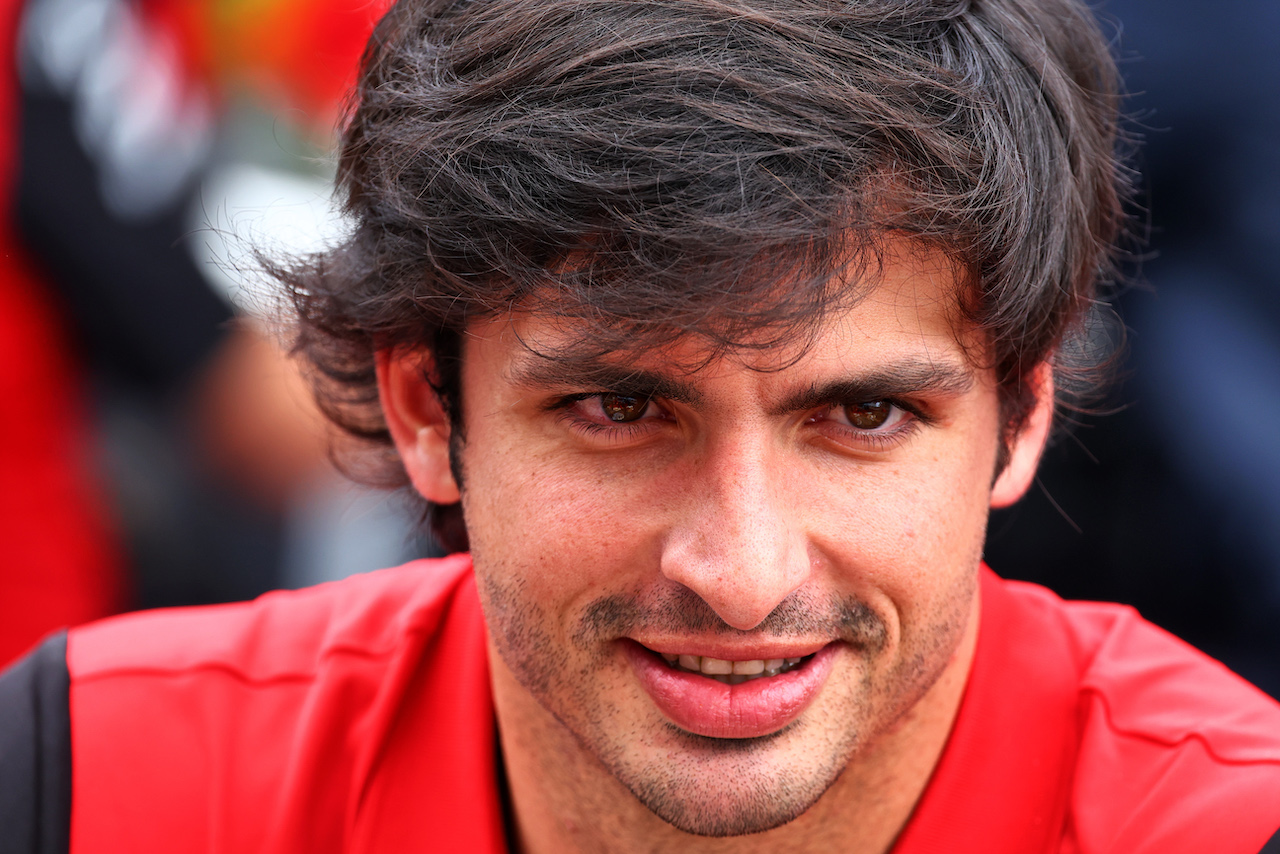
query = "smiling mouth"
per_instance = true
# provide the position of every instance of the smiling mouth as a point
(732, 672)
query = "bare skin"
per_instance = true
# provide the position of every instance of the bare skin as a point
(254, 419)
(826, 505)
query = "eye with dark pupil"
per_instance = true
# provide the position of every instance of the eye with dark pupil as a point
(868, 416)
(620, 407)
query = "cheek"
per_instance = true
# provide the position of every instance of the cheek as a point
(950, 514)
(914, 530)
(564, 530)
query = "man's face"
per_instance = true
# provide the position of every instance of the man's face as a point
(826, 505)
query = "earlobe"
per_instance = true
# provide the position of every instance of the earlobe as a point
(418, 423)
(1027, 445)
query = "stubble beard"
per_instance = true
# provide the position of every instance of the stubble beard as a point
(762, 797)
(706, 786)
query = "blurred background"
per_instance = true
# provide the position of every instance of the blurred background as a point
(159, 448)
(1172, 503)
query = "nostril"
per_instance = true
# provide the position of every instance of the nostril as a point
(741, 575)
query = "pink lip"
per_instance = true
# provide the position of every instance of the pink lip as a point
(706, 707)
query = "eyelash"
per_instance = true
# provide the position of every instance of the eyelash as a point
(614, 432)
(914, 417)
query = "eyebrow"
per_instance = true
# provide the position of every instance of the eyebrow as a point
(576, 374)
(896, 379)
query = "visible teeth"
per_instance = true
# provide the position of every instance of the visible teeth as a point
(731, 672)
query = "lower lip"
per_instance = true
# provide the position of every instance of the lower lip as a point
(704, 706)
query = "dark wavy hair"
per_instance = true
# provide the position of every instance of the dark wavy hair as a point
(655, 168)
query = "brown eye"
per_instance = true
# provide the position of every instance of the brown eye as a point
(868, 416)
(620, 407)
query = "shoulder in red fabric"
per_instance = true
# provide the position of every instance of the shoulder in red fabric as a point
(1085, 729)
(357, 717)
(298, 722)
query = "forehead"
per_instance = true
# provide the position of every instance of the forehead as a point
(903, 308)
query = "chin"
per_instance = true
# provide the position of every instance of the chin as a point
(733, 788)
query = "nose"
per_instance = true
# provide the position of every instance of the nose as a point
(737, 543)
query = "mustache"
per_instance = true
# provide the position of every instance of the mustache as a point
(681, 611)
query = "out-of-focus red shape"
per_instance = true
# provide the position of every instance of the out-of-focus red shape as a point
(60, 566)
(300, 55)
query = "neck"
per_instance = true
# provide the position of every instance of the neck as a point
(564, 800)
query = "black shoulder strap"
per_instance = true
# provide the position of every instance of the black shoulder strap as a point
(35, 752)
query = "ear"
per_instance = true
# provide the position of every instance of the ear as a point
(417, 421)
(1027, 444)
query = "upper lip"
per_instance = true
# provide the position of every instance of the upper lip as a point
(739, 651)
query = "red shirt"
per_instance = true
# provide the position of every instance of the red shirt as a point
(357, 717)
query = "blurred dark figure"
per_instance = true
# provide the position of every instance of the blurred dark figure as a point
(120, 366)
(1180, 513)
